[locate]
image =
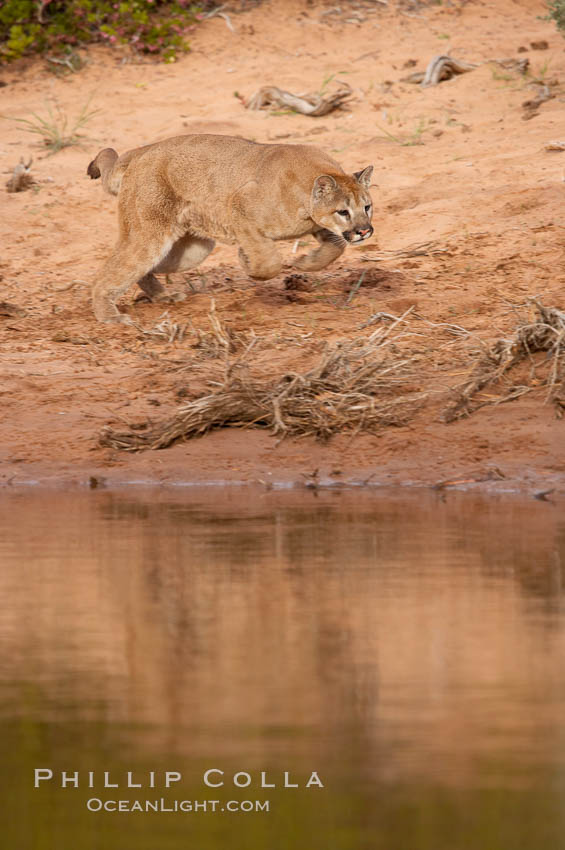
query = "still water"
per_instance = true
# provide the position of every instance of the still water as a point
(408, 650)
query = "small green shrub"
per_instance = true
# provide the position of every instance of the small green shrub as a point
(557, 13)
(54, 129)
(149, 26)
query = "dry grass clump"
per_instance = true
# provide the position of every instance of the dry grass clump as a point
(218, 342)
(357, 385)
(55, 129)
(545, 331)
(166, 330)
(221, 340)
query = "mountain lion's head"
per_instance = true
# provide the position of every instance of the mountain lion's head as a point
(342, 204)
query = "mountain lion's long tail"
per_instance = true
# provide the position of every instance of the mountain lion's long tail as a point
(103, 165)
(111, 167)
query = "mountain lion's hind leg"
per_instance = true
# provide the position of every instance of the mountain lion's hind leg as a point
(130, 261)
(331, 247)
(186, 253)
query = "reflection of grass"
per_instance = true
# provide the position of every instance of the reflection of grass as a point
(55, 129)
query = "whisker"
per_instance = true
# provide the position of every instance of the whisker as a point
(333, 237)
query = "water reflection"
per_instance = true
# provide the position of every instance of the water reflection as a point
(411, 650)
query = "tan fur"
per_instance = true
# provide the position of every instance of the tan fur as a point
(177, 196)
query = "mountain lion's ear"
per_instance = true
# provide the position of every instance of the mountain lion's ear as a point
(323, 186)
(364, 177)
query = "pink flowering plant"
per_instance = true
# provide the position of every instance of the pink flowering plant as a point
(156, 27)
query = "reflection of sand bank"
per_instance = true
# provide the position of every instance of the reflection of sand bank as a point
(423, 633)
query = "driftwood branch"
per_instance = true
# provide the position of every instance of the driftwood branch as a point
(531, 106)
(11, 311)
(442, 68)
(312, 103)
(21, 179)
(545, 331)
(555, 146)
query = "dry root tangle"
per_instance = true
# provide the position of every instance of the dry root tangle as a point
(545, 333)
(357, 385)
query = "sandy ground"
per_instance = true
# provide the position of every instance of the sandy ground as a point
(458, 164)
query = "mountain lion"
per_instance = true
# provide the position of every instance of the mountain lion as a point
(179, 195)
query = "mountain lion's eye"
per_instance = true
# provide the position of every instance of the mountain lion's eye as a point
(368, 209)
(344, 213)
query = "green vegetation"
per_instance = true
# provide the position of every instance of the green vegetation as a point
(148, 26)
(557, 13)
(54, 129)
